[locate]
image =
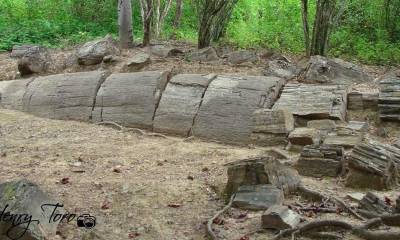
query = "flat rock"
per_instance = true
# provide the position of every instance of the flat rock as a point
(357, 197)
(165, 51)
(64, 96)
(20, 51)
(347, 135)
(257, 197)
(226, 113)
(314, 101)
(279, 217)
(180, 103)
(389, 97)
(304, 136)
(130, 99)
(23, 197)
(207, 54)
(35, 59)
(334, 71)
(137, 62)
(281, 68)
(363, 100)
(271, 127)
(93, 52)
(242, 56)
(12, 93)
(320, 161)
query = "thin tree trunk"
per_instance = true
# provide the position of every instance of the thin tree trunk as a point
(125, 23)
(178, 13)
(323, 19)
(148, 11)
(304, 13)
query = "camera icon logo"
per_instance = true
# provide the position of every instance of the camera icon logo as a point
(86, 221)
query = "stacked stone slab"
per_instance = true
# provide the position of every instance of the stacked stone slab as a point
(226, 113)
(180, 103)
(373, 165)
(271, 127)
(347, 135)
(130, 99)
(389, 97)
(63, 96)
(12, 93)
(320, 161)
(314, 101)
(361, 100)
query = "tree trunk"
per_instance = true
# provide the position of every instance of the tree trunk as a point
(304, 14)
(213, 20)
(322, 23)
(147, 10)
(178, 13)
(125, 23)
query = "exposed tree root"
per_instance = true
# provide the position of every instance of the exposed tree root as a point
(360, 230)
(135, 130)
(210, 222)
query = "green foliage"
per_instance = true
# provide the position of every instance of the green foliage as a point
(368, 31)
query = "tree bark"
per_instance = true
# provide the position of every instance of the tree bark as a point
(213, 19)
(147, 12)
(159, 15)
(322, 24)
(304, 13)
(178, 13)
(125, 23)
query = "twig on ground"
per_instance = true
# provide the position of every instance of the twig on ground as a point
(210, 222)
(127, 129)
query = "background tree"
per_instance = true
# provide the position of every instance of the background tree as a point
(161, 9)
(125, 23)
(146, 12)
(213, 18)
(178, 14)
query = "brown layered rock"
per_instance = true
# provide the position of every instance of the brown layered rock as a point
(226, 113)
(314, 101)
(180, 103)
(362, 100)
(389, 97)
(373, 165)
(305, 136)
(320, 161)
(130, 99)
(372, 204)
(347, 135)
(271, 127)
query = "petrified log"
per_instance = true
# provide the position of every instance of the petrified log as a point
(226, 113)
(180, 103)
(12, 93)
(374, 205)
(389, 97)
(130, 99)
(305, 136)
(63, 96)
(259, 171)
(314, 101)
(22, 201)
(373, 165)
(271, 127)
(257, 197)
(320, 161)
(279, 217)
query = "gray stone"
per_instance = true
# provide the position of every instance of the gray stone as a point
(389, 97)
(180, 103)
(207, 54)
(362, 100)
(322, 125)
(357, 196)
(279, 217)
(137, 62)
(20, 51)
(257, 197)
(333, 70)
(64, 96)
(34, 60)
(130, 99)
(320, 161)
(165, 51)
(23, 197)
(305, 136)
(12, 93)
(281, 68)
(314, 101)
(347, 135)
(373, 204)
(242, 56)
(92, 53)
(271, 127)
(226, 113)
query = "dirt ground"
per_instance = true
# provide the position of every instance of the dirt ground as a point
(138, 187)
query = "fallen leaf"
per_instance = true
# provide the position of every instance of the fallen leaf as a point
(65, 180)
(388, 201)
(174, 205)
(106, 205)
(133, 235)
(219, 221)
(117, 169)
